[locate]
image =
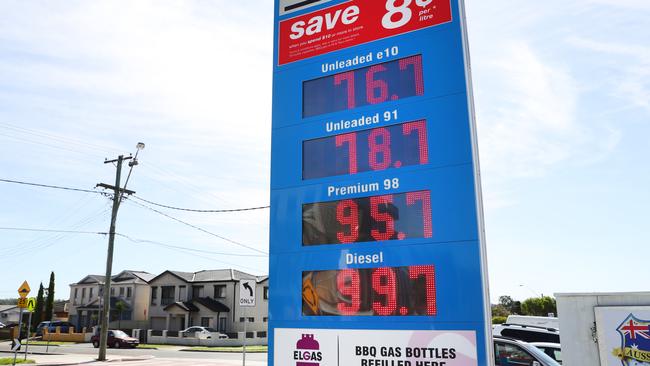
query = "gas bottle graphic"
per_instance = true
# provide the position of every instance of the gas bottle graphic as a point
(309, 355)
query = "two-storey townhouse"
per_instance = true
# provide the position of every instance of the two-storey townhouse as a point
(129, 288)
(206, 298)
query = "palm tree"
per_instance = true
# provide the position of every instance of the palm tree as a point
(120, 307)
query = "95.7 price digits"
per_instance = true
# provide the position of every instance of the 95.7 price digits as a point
(378, 218)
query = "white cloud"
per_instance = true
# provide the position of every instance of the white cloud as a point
(526, 112)
(628, 78)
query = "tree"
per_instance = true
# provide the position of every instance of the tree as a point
(120, 307)
(506, 301)
(500, 310)
(38, 310)
(49, 304)
(539, 306)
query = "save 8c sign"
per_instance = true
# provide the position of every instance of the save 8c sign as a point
(355, 22)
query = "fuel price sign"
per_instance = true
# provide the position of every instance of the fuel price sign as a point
(377, 249)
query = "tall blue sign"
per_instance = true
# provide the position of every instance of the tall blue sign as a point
(377, 248)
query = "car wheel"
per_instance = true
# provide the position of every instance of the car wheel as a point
(116, 345)
(96, 344)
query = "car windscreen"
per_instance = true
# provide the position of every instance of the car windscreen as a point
(119, 334)
(530, 335)
(541, 355)
(212, 330)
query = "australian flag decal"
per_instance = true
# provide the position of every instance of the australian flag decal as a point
(635, 342)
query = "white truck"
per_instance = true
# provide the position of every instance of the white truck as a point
(538, 321)
(605, 329)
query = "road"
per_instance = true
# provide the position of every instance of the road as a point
(162, 356)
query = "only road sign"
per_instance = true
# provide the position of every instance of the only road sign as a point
(31, 304)
(24, 290)
(247, 293)
(22, 303)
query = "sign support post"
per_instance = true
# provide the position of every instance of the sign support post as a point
(20, 327)
(29, 327)
(246, 299)
(23, 291)
(244, 351)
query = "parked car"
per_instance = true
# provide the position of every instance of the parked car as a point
(554, 350)
(527, 333)
(2, 325)
(51, 327)
(116, 339)
(509, 352)
(203, 333)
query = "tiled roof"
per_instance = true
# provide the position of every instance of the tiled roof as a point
(6, 307)
(212, 304)
(187, 306)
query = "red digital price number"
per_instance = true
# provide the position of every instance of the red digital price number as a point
(377, 149)
(386, 291)
(378, 218)
(388, 81)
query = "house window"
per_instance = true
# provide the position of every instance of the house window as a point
(219, 291)
(251, 320)
(76, 293)
(265, 319)
(90, 294)
(83, 293)
(242, 319)
(266, 292)
(129, 292)
(121, 291)
(112, 291)
(154, 295)
(205, 322)
(167, 295)
(197, 292)
(182, 293)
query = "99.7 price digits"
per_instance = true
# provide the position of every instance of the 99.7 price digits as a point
(385, 291)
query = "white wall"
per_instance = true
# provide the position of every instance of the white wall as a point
(578, 321)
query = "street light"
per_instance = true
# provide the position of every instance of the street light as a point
(529, 289)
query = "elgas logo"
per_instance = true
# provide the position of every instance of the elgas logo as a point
(307, 351)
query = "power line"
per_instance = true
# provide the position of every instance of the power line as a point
(197, 210)
(136, 197)
(135, 240)
(53, 231)
(50, 186)
(200, 229)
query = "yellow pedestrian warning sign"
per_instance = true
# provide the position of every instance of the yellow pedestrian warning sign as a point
(24, 290)
(31, 304)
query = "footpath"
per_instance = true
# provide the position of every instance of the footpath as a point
(70, 359)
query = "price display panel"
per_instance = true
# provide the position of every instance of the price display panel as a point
(381, 291)
(375, 84)
(377, 218)
(375, 222)
(376, 149)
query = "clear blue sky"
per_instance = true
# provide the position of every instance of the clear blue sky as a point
(563, 111)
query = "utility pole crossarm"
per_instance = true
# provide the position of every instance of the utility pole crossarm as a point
(112, 188)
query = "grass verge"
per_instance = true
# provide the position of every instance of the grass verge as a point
(249, 349)
(10, 360)
(153, 346)
(52, 343)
